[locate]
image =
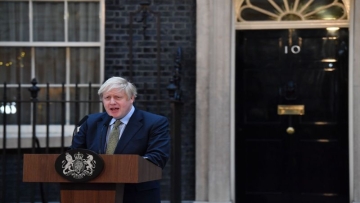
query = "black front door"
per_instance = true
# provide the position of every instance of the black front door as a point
(292, 116)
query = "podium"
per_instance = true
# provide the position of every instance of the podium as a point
(107, 187)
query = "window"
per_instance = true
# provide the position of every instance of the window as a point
(60, 43)
(288, 10)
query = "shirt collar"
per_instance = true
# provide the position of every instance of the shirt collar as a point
(126, 118)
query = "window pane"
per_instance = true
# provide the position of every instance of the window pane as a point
(89, 102)
(12, 108)
(14, 21)
(15, 65)
(84, 21)
(85, 65)
(49, 21)
(55, 111)
(50, 65)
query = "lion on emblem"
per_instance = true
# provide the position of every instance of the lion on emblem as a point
(68, 164)
(90, 163)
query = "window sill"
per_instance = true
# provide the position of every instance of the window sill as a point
(26, 134)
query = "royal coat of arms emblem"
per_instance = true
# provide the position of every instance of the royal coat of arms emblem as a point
(79, 165)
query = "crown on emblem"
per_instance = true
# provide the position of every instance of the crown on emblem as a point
(78, 155)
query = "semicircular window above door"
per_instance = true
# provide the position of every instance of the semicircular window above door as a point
(291, 10)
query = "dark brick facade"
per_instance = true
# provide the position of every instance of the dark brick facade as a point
(177, 23)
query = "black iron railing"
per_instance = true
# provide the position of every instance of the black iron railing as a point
(21, 122)
(15, 143)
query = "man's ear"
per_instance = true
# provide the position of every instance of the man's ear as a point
(132, 98)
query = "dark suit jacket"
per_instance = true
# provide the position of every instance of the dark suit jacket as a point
(146, 134)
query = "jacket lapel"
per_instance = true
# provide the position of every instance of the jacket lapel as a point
(102, 127)
(134, 125)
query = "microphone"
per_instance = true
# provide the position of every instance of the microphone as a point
(82, 120)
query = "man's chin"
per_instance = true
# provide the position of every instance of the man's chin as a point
(111, 114)
(114, 115)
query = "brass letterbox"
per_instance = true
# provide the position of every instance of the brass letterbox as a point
(291, 110)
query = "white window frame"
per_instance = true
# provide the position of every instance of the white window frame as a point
(55, 130)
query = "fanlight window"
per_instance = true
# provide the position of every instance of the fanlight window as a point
(291, 10)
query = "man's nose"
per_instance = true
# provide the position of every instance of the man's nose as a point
(112, 100)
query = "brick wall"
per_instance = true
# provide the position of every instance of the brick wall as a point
(177, 29)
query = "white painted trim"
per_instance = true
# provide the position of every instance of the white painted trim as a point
(66, 21)
(32, 62)
(60, 0)
(67, 88)
(70, 0)
(30, 21)
(307, 24)
(50, 44)
(267, 25)
(102, 40)
(50, 85)
(26, 135)
(165, 201)
(232, 106)
(102, 45)
(347, 4)
(202, 202)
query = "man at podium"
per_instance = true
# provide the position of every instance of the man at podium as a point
(124, 129)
